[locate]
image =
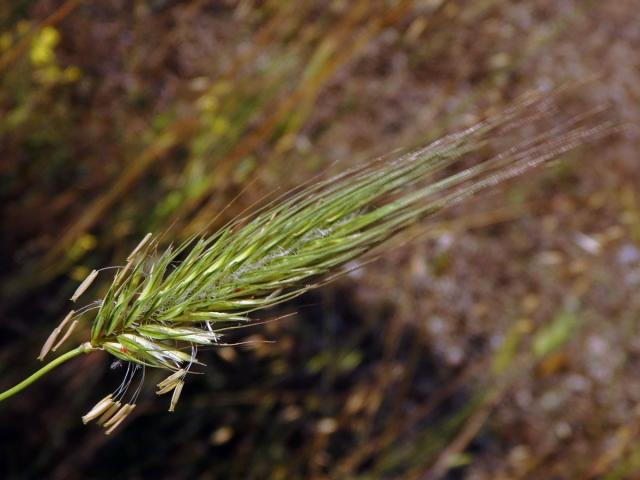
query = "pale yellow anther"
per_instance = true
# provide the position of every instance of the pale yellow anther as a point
(142, 243)
(171, 380)
(66, 335)
(167, 388)
(109, 413)
(98, 409)
(117, 423)
(117, 416)
(176, 396)
(54, 335)
(48, 343)
(84, 285)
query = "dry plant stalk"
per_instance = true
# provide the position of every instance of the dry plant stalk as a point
(163, 305)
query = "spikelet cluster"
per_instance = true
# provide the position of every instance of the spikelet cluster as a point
(164, 304)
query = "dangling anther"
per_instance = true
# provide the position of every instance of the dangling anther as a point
(66, 335)
(171, 382)
(84, 285)
(98, 409)
(176, 395)
(54, 335)
(109, 413)
(121, 415)
(142, 243)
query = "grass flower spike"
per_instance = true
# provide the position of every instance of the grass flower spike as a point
(164, 304)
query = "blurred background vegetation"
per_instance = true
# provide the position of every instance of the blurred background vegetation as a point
(503, 344)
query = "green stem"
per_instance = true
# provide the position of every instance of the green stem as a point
(84, 348)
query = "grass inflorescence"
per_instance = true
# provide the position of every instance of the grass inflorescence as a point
(166, 303)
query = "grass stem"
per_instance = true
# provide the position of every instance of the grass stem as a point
(84, 348)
